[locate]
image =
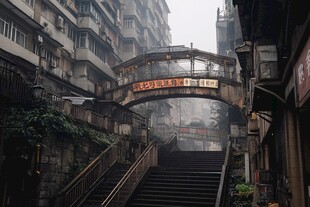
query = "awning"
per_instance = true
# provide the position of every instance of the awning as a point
(267, 97)
(79, 100)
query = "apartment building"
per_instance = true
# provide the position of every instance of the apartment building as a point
(72, 44)
(275, 69)
(145, 26)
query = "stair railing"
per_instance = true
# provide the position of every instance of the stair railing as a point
(119, 195)
(172, 142)
(223, 181)
(168, 146)
(86, 180)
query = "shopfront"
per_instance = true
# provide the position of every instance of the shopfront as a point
(302, 85)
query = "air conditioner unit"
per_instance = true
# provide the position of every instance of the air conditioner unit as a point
(59, 22)
(47, 31)
(40, 39)
(53, 63)
(267, 62)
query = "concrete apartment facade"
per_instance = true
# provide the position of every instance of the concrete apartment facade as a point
(275, 70)
(76, 43)
(71, 46)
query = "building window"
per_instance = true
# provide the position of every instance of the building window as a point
(82, 39)
(128, 23)
(84, 7)
(128, 48)
(47, 55)
(18, 36)
(14, 32)
(30, 2)
(70, 32)
(4, 27)
(96, 48)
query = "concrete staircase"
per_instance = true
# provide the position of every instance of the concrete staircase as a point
(100, 193)
(183, 178)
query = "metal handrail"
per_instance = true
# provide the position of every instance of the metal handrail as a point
(171, 143)
(86, 180)
(119, 194)
(223, 180)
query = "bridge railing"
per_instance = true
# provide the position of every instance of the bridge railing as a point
(212, 74)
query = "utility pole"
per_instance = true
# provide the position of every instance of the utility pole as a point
(192, 60)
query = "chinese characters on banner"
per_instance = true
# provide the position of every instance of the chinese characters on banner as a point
(302, 71)
(175, 82)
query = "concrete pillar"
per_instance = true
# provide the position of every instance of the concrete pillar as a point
(67, 106)
(294, 162)
(88, 116)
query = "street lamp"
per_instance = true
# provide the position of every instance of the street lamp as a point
(37, 88)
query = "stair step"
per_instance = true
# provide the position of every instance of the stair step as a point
(188, 169)
(177, 171)
(173, 201)
(181, 185)
(183, 181)
(187, 197)
(186, 177)
(179, 193)
(180, 189)
(114, 175)
(136, 204)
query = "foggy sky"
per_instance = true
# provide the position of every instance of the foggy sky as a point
(194, 21)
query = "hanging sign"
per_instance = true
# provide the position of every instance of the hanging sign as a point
(174, 82)
(302, 72)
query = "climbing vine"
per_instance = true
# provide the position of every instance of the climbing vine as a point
(36, 122)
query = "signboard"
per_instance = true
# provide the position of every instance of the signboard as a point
(302, 73)
(217, 133)
(175, 82)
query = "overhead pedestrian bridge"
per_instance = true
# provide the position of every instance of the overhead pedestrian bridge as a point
(176, 72)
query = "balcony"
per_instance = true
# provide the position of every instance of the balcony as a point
(61, 8)
(72, 6)
(84, 54)
(87, 22)
(83, 83)
(13, 87)
(105, 11)
(17, 50)
(56, 33)
(23, 8)
(132, 11)
(23, 11)
(131, 33)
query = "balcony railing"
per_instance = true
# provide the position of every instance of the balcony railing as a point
(15, 89)
(13, 86)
